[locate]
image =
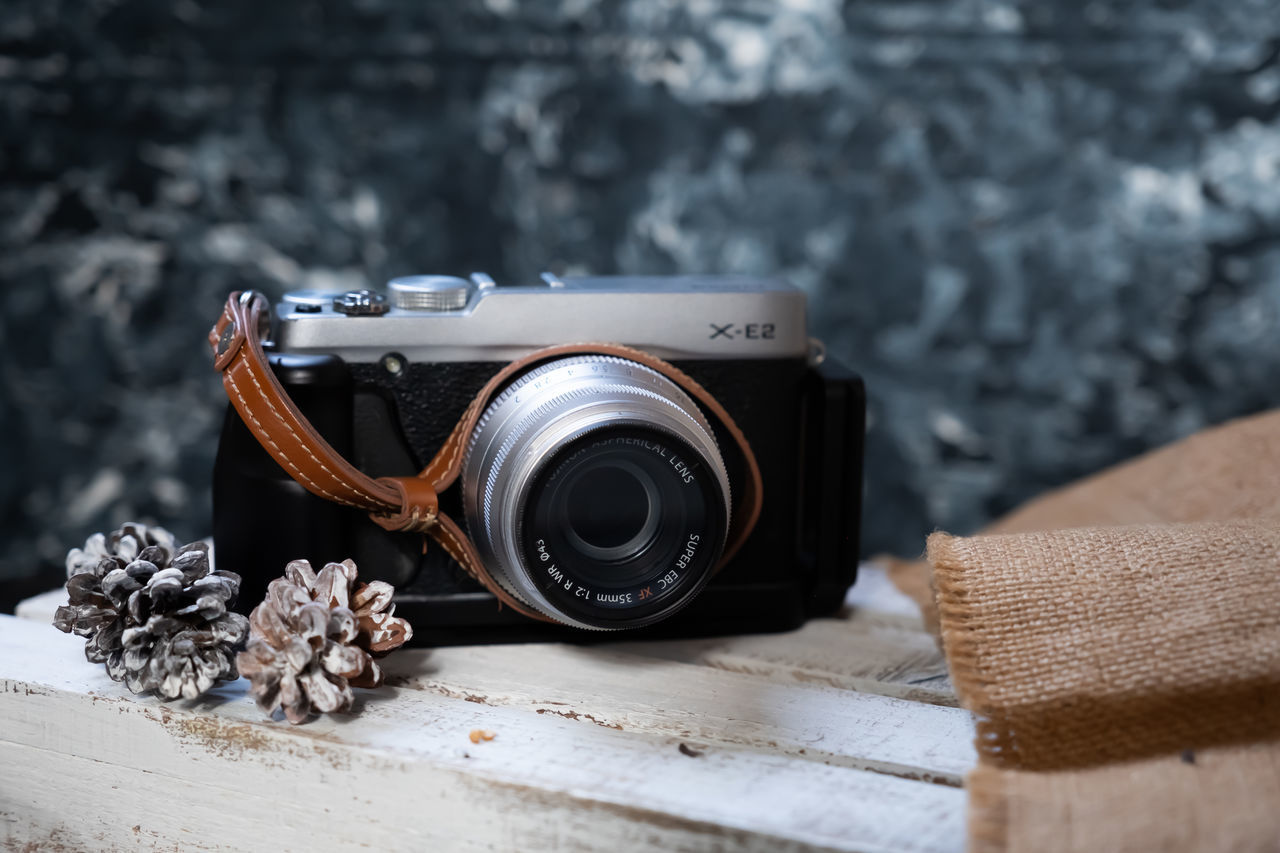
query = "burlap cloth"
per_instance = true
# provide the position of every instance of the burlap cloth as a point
(1119, 642)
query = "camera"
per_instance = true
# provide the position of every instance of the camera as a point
(597, 491)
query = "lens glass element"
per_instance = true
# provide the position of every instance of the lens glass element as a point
(623, 522)
(610, 506)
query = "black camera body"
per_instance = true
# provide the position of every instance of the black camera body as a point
(384, 379)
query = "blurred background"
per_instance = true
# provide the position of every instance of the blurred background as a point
(1047, 233)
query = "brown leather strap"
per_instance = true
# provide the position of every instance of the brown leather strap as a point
(396, 503)
(275, 421)
(411, 503)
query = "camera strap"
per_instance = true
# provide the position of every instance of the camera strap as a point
(411, 503)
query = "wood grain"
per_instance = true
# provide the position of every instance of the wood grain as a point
(870, 653)
(745, 743)
(711, 706)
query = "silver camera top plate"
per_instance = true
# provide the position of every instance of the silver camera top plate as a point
(672, 317)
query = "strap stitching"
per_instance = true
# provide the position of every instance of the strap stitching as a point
(336, 479)
(282, 457)
(453, 444)
(445, 534)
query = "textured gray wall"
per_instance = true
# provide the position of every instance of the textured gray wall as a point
(1048, 233)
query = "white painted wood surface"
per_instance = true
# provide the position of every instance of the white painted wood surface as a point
(840, 736)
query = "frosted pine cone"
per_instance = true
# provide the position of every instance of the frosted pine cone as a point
(316, 636)
(123, 546)
(174, 659)
(159, 621)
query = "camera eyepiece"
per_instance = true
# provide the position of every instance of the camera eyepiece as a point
(596, 493)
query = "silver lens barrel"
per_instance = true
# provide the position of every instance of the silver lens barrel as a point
(529, 427)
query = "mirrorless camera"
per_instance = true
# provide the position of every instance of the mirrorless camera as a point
(595, 489)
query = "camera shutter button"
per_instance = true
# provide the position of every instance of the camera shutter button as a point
(429, 292)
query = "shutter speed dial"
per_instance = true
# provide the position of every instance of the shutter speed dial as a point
(429, 292)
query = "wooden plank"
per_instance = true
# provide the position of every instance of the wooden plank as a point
(628, 691)
(40, 608)
(90, 766)
(711, 692)
(857, 653)
(876, 645)
(709, 706)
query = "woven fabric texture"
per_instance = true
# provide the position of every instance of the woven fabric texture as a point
(1220, 799)
(1082, 646)
(1119, 642)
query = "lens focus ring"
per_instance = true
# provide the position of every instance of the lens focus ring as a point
(540, 430)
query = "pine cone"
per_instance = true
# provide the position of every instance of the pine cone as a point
(123, 546)
(315, 636)
(159, 621)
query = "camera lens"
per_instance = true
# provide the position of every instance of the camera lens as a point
(596, 493)
(627, 518)
(609, 509)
